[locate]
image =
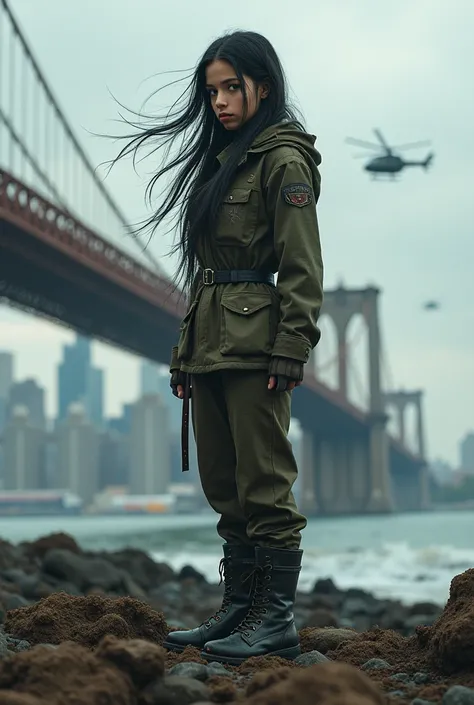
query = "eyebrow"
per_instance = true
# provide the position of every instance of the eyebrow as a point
(226, 80)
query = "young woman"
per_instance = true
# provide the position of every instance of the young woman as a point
(245, 191)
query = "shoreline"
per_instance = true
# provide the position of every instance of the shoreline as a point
(109, 612)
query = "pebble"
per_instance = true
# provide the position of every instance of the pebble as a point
(176, 689)
(375, 664)
(402, 677)
(310, 658)
(217, 669)
(458, 695)
(190, 669)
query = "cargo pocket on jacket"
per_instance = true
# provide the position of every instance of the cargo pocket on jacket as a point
(248, 325)
(186, 331)
(237, 219)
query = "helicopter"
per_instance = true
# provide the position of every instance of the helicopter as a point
(389, 163)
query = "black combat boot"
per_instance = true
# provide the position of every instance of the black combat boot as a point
(234, 568)
(269, 626)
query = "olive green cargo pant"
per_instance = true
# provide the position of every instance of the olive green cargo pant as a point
(246, 462)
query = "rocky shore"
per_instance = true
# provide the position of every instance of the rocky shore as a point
(86, 629)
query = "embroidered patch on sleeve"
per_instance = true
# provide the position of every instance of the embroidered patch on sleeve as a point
(298, 194)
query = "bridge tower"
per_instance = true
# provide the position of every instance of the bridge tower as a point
(348, 471)
(401, 400)
(341, 305)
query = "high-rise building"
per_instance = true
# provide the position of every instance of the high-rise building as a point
(122, 424)
(30, 395)
(6, 381)
(467, 453)
(78, 454)
(149, 471)
(24, 452)
(114, 456)
(79, 382)
(94, 396)
(149, 378)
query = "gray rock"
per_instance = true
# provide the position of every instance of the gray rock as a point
(415, 620)
(375, 664)
(420, 678)
(397, 693)
(82, 571)
(190, 669)
(169, 592)
(13, 602)
(217, 669)
(13, 575)
(458, 695)
(174, 690)
(3, 646)
(310, 658)
(22, 645)
(420, 701)
(356, 605)
(402, 678)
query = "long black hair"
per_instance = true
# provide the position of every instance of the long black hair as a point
(198, 187)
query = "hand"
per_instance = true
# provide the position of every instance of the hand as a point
(282, 383)
(177, 384)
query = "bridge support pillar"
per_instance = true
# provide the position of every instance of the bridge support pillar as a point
(380, 497)
(309, 467)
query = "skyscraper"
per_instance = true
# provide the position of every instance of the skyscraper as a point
(149, 378)
(30, 395)
(79, 382)
(6, 381)
(467, 453)
(94, 396)
(78, 454)
(149, 447)
(24, 452)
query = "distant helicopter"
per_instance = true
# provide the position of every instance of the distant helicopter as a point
(389, 163)
(431, 306)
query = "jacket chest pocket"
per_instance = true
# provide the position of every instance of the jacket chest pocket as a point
(248, 324)
(238, 217)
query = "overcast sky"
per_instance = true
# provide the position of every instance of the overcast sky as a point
(405, 67)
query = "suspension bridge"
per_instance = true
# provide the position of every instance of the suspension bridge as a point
(67, 254)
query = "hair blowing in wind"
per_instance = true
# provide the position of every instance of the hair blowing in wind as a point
(198, 185)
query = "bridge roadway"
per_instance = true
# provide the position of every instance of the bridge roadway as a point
(52, 265)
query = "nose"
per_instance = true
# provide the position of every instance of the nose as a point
(220, 100)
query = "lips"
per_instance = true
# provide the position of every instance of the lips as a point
(224, 116)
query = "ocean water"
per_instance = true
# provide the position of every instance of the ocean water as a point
(411, 557)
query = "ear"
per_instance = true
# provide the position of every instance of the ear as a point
(264, 90)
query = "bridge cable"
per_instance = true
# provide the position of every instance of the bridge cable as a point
(76, 143)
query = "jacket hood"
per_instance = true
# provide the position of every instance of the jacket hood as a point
(282, 134)
(286, 134)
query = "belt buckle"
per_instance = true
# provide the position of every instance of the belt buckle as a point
(208, 277)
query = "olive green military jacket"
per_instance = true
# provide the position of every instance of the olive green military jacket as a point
(267, 222)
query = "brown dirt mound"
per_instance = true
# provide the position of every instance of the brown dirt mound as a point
(323, 684)
(385, 644)
(450, 640)
(85, 620)
(69, 674)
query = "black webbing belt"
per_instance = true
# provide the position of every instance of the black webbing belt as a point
(233, 276)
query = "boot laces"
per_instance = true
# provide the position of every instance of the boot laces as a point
(261, 577)
(226, 576)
